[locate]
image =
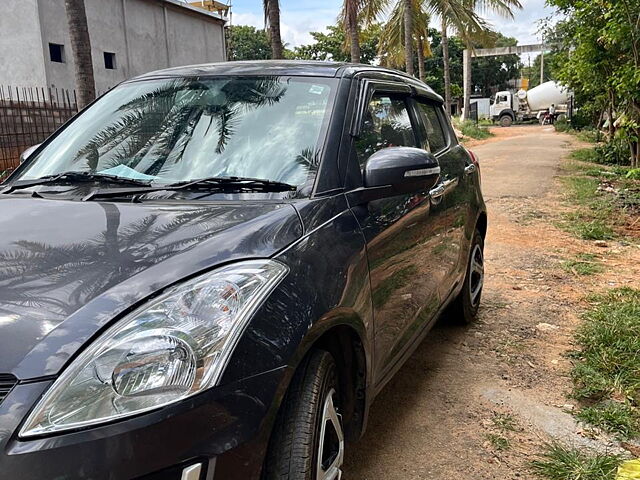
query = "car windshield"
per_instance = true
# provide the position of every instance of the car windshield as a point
(177, 130)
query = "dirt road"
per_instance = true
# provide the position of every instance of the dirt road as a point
(436, 419)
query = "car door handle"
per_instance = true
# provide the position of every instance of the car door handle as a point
(442, 188)
(469, 169)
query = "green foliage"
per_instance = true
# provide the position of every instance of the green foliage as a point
(470, 129)
(583, 264)
(608, 363)
(486, 72)
(589, 135)
(332, 45)
(504, 422)
(615, 152)
(610, 342)
(490, 73)
(633, 174)
(247, 43)
(594, 219)
(561, 463)
(620, 419)
(562, 125)
(499, 442)
(532, 72)
(585, 155)
(597, 48)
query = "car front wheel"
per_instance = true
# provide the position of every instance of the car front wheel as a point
(308, 440)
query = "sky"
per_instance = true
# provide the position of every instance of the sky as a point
(299, 17)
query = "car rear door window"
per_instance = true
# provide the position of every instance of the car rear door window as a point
(435, 140)
(386, 124)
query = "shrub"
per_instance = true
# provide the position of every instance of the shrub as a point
(614, 152)
(589, 135)
(562, 125)
(470, 129)
(633, 174)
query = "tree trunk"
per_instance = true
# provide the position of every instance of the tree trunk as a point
(273, 19)
(81, 48)
(352, 30)
(446, 67)
(421, 72)
(408, 36)
(612, 127)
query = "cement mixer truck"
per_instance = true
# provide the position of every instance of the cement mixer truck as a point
(508, 108)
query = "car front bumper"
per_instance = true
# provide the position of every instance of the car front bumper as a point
(226, 429)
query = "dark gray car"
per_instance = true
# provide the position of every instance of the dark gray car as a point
(212, 270)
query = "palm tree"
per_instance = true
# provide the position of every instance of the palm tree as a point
(81, 47)
(392, 49)
(353, 13)
(462, 17)
(272, 20)
(501, 7)
(350, 13)
(408, 36)
(411, 10)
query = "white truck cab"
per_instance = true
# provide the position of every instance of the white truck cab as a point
(507, 107)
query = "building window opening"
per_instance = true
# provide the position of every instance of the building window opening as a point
(109, 61)
(56, 52)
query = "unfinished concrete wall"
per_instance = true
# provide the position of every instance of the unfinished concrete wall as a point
(144, 35)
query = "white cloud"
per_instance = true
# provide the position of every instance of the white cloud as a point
(300, 17)
(295, 25)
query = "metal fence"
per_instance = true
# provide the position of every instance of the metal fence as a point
(28, 115)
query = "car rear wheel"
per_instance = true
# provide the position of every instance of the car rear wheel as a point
(465, 307)
(308, 439)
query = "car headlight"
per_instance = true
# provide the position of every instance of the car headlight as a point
(172, 347)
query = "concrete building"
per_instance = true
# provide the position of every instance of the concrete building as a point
(128, 37)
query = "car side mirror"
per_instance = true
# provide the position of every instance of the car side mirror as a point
(396, 171)
(27, 153)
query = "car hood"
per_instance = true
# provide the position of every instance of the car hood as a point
(68, 268)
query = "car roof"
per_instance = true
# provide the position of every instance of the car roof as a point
(306, 68)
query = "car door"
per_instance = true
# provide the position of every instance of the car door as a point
(400, 232)
(452, 193)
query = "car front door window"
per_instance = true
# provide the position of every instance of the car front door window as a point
(386, 124)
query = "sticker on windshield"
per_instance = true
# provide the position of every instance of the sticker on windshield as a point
(316, 89)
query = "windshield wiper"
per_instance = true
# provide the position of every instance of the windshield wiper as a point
(227, 184)
(73, 177)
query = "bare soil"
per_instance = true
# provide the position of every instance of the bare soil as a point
(436, 418)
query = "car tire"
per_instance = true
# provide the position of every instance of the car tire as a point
(308, 441)
(506, 121)
(464, 309)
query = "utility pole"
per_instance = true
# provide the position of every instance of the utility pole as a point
(466, 81)
(542, 63)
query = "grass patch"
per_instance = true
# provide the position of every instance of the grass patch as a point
(591, 229)
(498, 441)
(583, 264)
(504, 422)
(607, 366)
(620, 419)
(561, 463)
(589, 136)
(585, 155)
(594, 221)
(470, 129)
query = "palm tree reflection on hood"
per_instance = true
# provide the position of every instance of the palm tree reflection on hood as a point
(31, 272)
(157, 126)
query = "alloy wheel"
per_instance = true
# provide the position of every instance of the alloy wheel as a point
(476, 277)
(331, 443)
